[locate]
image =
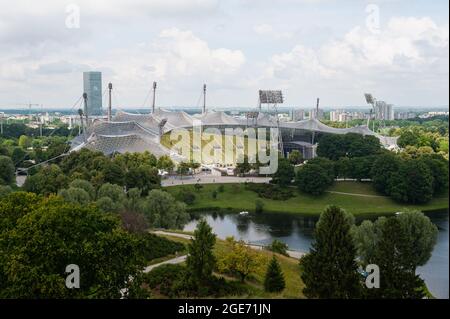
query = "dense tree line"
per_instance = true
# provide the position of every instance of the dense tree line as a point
(334, 267)
(40, 236)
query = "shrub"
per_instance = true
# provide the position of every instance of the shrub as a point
(154, 246)
(186, 196)
(270, 191)
(278, 247)
(259, 206)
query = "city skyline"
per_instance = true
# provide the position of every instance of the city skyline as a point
(306, 48)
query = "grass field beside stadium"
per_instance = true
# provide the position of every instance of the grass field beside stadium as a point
(356, 198)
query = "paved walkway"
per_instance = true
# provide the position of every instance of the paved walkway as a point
(176, 260)
(292, 253)
(211, 179)
(356, 194)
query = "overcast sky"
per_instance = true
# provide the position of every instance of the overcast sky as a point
(332, 49)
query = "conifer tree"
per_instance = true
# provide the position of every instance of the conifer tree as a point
(330, 269)
(201, 261)
(274, 280)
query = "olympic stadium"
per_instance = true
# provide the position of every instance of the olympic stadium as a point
(128, 132)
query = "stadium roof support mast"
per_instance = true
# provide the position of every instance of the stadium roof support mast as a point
(110, 103)
(204, 98)
(372, 101)
(317, 108)
(85, 97)
(154, 97)
(80, 113)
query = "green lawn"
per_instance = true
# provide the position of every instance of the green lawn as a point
(237, 198)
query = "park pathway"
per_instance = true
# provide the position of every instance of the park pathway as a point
(292, 253)
(211, 179)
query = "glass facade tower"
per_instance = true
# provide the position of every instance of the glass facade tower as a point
(92, 85)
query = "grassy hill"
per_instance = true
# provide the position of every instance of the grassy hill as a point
(356, 198)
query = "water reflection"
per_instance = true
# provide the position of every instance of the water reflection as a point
(297, 232)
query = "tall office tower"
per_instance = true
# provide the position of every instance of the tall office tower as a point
(389, 112)
(384, 111)
(92, 85)
(334, 115)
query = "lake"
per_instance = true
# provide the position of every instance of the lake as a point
(296, 231)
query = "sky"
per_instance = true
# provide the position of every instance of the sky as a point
(337, 50)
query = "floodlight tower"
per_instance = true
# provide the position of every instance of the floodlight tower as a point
(272, 98)
(372, 101)
(154, 97)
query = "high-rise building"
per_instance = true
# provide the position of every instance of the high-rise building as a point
(316, 114)
(334, 115)
(298, 115)
(92, 85)
(384, 111)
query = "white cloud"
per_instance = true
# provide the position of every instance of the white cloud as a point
(268, 31)
(408, 49)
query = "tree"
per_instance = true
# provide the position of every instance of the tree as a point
(162, 210)
(75, 195)
(383, 169)
(186, 196)
(165, 163)
(396, 281)
(24, 141)
(274, 278)
(143, 177)
(52, 234)
(107, 205)
(420, 237)
(133, 160)
(331, 146)
(439, 169)
(183, 169)
(367, 236)
(243, 166)
(115, 192)
(327, 165)
(48, 180)
(407, 138)
(344, 167)
(329, 270)
(361, 167)
(134, 222)
(259, 206)
(238, 259)
(312, 179)
(85, 185)
(113, 173)
(412, 183)
(5, 190)
(278, 247)
(6, 170)
(201, 260)
(18, 155)
(349, 145)
(285, 172)
(295, 157)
